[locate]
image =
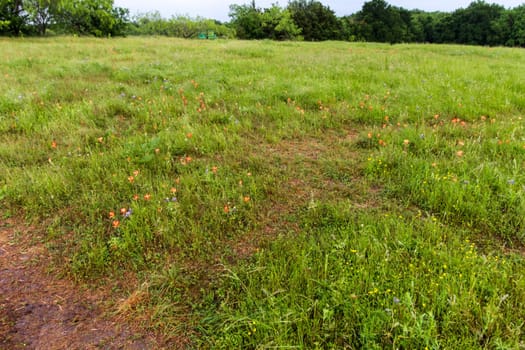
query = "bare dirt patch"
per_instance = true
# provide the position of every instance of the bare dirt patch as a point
(40, 311)
(301, 167)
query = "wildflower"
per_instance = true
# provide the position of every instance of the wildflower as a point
(147, 197)
(460, 153)
(246, 199)
(226, 209)
(128, 213)
(100, 139)
(214, 169)
(53, 144)
(406, 142)
(131, 179)
(369, 135)
(157, 150)
(173, 190)
(249, 174)
(189, 135)
(396, 300)
(111, 214)
(116, 224)
(135, 197)
(123, 211)
(136, 173)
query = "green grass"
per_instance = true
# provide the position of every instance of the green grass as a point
(277, 195)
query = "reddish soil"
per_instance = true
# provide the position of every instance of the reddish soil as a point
(40, 311)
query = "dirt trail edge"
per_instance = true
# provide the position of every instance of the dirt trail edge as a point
(41, 312)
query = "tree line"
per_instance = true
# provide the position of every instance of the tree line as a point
(82, 17)
(481, 23)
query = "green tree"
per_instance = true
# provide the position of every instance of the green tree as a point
(476, 24)
(316, 21)
(42, 13)
(247, 21)
(514, 23)
(93, 17)
(12, 17)
(380, 22)
(422, 26)
(278, 24)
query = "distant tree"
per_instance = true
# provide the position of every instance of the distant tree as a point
(278, 24)
(422, 26)
(512, 25)
(247, 21)
(93, 17)
(446, 31)
(12, 17)
(475, 25)
(380, 22)
(316, 21)
(41, 13)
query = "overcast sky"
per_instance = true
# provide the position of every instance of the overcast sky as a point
(218, 9)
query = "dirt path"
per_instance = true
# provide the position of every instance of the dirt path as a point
(39, 311)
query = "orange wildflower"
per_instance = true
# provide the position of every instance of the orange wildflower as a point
(136, 172)
(53, 144)
(226, 209)
(189, 135)
(131, 179)
(147, 197)
(214, 169)
(173, 190)
(116, 224)
(246, 199)
(460, 153)
(123, 211)
(135, 197)
(111, 214)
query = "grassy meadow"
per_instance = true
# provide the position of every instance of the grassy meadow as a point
(260, 195)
